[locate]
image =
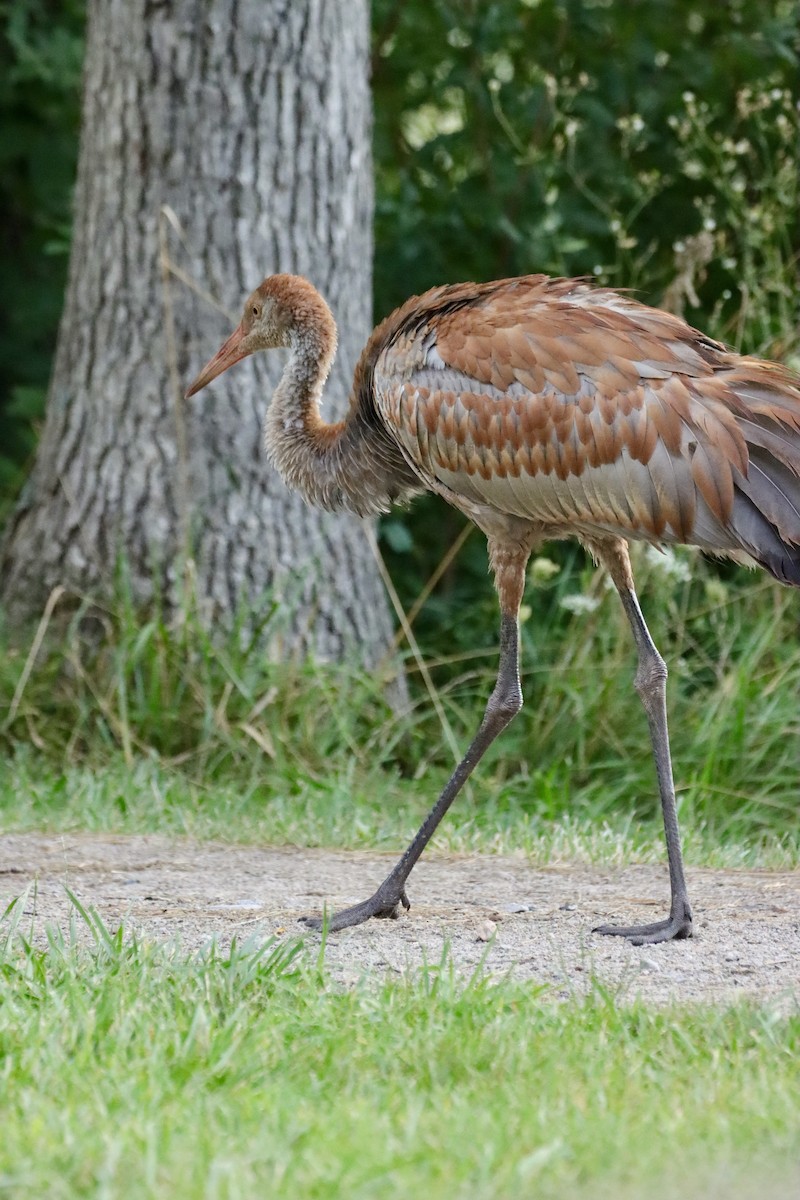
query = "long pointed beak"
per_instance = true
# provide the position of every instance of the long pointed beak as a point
(229, 353)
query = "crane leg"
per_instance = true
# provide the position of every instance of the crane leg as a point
(650, 683)
(503, 705)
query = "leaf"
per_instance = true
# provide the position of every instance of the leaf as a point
(397, 535)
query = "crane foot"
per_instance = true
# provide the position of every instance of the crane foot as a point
(677, 926)
(385, 904)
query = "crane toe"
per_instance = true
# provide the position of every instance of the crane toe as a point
(676, 927)
(384, 904)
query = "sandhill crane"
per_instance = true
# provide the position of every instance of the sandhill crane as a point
(542, 408)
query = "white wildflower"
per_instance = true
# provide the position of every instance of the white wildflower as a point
(716, 592)
(503, 68)
(459, 38)
(668, 564)
(580, 605)
(542, 569)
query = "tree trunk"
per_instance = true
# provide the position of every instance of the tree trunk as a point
(222, 140)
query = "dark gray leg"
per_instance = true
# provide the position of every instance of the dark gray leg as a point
(650, 682)
(504, 704)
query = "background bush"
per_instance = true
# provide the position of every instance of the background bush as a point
(41, 50)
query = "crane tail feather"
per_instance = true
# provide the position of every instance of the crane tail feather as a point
(766, 511)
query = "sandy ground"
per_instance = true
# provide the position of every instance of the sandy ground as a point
(532, 923)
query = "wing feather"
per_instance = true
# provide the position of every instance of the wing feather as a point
(578, 407)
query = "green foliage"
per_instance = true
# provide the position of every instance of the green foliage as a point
(144, 1071)
(41, 49)
(591, 138)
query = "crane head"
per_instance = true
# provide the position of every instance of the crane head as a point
(264, 324)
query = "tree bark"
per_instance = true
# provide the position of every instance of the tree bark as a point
(222, 140)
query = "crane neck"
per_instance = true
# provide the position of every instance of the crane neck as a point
(349, 464)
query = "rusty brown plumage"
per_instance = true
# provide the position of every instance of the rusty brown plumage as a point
(542, 408)
(587, 413)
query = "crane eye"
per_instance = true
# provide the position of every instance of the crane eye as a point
(255, 310)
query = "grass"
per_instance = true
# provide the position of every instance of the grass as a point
(352, 811)
(139, 1070)
(154, 727)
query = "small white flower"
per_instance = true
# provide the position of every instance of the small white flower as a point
(542, 569)
(716, 592)
(580, 605)
(667, 563)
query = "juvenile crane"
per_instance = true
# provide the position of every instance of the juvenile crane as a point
(541, 408)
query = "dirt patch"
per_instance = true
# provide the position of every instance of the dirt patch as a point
(538, 920)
